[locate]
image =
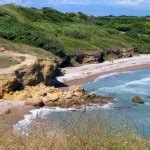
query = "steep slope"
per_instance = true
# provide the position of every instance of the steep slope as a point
(72, 34)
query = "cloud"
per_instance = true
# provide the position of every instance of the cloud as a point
(83, 2)
(131, 2)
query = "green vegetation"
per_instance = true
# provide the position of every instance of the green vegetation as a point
(7, 61)
(22, 48)
(72, 33)
(48, 32)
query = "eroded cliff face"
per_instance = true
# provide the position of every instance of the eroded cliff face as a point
(32, 84)
(41, 71)
(89, 58)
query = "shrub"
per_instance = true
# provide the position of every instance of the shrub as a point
(133, 34)
(31, 14)
(112, 31)
(53, 14)
(77, 34)
(11, 30)
(123, 27)
(50, 44)
(82, 16)
(145, 38)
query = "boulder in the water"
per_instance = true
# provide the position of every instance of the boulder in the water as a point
(138, 100)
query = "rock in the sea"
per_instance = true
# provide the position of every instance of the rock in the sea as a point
(138, 100)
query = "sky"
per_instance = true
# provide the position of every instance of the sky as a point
(91, 7)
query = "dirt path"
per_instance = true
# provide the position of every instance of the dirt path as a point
(24, 59)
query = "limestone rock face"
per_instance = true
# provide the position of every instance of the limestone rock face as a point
(8, 83)
(126, 52)
(90, 59)
(86, 58)
(138, 100)
(78, 94)
(52, 97)
(49, 96)
(67, 95)
(1, 93)
(40, 72)
(76, 89)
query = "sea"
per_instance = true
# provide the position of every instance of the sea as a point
(119, 113)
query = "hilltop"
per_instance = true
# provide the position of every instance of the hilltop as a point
(70, 34)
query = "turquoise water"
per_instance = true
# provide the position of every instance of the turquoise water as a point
(123, 87)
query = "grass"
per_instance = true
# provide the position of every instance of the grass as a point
(85, 132)
(22, 48)
(71, 33)
(6, 61)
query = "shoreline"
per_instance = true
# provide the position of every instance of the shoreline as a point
(12, 111)
(86, 73)
(85, 80)
(106, 68)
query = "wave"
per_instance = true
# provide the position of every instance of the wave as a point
(140, 82)
(121, 89)
(42, 113)
(108, 106)
(105, 76)
(115, 74)
(136, 86)
(147, 103)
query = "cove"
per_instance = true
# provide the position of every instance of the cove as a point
(122, 87)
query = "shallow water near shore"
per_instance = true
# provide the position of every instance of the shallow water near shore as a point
(121, 86)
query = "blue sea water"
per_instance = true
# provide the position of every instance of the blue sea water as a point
(122, 87)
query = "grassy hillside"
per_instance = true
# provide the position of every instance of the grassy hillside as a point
(72, 33)
(22, 48)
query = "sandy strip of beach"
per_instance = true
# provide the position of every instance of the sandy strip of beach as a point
(12, 111)
(83, 74)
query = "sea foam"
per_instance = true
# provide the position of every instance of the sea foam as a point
(42, 113)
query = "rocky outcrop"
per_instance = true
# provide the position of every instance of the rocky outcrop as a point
(125, 52)
(41, 95)
(41, 71)
(138, 100)
(8, 83)
(86, 58)
(30, 82)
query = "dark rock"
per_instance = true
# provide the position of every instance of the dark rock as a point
(138, 100)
